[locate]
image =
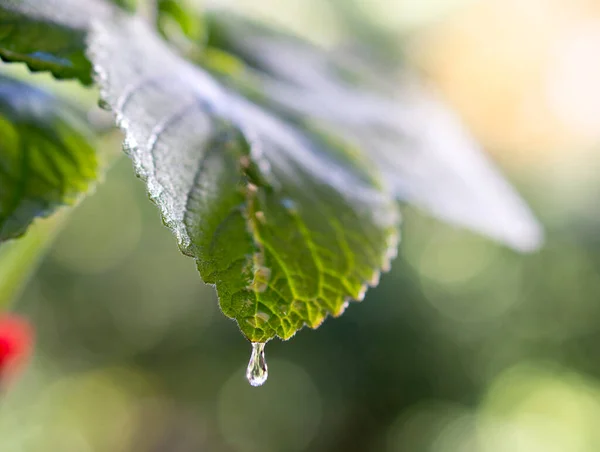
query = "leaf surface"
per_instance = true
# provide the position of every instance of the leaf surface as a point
(289, 225)
(49, 35)
(425, 153)
(47, 156)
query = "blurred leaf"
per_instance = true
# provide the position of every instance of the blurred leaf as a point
(47, 156)
(418, 143)
(183, 15)
(365, 34)
(49, 35)
(288, 225)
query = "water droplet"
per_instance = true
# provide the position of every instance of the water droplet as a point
(363, 292)
(374, 281)
(343, 308)
(257, 372)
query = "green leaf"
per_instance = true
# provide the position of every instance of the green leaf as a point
(47, 156)
(49, 35)
(420, 146)
(287, 224)
(182, 14)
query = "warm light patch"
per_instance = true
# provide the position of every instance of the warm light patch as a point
(520, 73)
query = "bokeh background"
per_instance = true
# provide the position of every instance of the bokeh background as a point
(464, 347)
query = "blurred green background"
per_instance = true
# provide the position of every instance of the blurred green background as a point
(464, 347)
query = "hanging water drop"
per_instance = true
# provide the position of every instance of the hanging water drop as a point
(257, 372)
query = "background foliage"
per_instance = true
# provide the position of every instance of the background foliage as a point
(465, 346)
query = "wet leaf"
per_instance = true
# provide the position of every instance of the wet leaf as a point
(47, 156)
(289, 225)
(421, 147)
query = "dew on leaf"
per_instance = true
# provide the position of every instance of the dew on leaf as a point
(257, 372)
(343, 308)
(374, 281)
(363, 292)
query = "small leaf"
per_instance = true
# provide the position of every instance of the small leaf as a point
(47, 156)
(421, 147)
(49, 35)
(288, 225)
